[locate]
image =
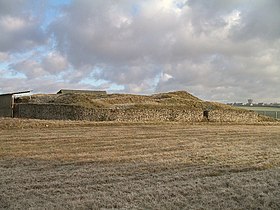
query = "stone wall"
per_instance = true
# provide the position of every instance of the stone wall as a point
(129, 114)
(233, 116)
(46, 111)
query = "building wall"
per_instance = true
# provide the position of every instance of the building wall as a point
(129, 114)
(96, 92)
(6, 106)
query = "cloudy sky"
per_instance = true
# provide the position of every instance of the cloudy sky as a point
(217, 50)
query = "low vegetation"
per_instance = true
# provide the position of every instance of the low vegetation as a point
(171, 106)
(86, 165)
(261, 108)
(272, 112)
(174, 99)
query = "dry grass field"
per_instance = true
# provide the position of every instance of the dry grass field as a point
(82, 165)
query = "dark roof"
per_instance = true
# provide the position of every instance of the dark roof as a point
(82, 91)
(14, 93)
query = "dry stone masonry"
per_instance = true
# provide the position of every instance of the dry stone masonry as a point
(130, 114)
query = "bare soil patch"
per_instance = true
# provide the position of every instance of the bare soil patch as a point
(139, 166)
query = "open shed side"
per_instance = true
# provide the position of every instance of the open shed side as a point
(6, 105)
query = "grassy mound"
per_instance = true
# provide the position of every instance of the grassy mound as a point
(178, 100)
(172, 99)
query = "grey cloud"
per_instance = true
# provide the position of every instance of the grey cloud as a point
(38, 85)
(55, 63)
(49, 65)
(7, 7)
(217, 50)
(20, 27)
(261, 19)
(22, 39)
(4, 56)
(229, 78)
(197, 44)
(128, 47)
(30, 68)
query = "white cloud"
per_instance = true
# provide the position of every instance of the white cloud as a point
(20, 29)
(10, 23)
(4, 56)
(54, 63)
(165, 77)
(30, 68)
(194, 41)
(217, 50)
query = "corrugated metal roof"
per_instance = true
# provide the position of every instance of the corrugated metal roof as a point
(14, 93)
(82, 91)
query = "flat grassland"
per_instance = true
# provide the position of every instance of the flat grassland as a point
(49, 165)
(273, 112)
(261, 108)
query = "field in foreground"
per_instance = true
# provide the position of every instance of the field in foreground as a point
(139, 166)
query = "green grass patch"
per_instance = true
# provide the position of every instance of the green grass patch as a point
(265, 108)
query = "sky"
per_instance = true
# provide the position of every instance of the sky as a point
(217, 50)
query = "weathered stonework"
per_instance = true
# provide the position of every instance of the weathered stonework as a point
(233, 116)
(130, 114)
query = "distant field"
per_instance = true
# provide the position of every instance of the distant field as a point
(273, 112)
(275, 109)
(52, 165)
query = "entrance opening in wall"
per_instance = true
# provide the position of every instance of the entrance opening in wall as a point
(206, 114)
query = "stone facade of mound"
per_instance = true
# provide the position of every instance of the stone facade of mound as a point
(177, 106)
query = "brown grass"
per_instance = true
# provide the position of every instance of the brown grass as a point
(175, 99)
(179, 100)
(139, 166)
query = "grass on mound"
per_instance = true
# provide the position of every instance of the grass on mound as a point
(172, 100)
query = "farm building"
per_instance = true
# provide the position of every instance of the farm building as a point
(82, 91)
(7, 103)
